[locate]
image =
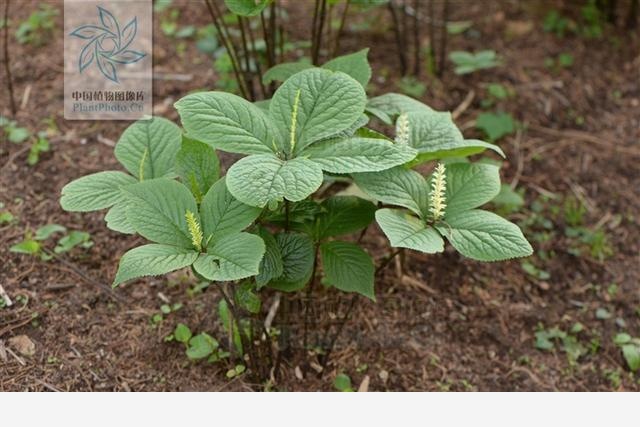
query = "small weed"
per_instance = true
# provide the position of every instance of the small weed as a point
(342, 382)
(411, 86)
(468, 62)
(496, 125)
(38, 27)
(630, 347)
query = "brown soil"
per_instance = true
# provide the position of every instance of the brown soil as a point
(441, 322)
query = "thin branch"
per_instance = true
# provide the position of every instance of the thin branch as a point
(336, 45)
(248, 77)
(416, 40)
(7, 67)
(319, 31)
(397, 31)
(443, 38)
(221, 28)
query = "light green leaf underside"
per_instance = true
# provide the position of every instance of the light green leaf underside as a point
(297, 261)
(198, 166)
(398, 186)
(157, 208)
(435, 136)
(232, 257)
(256, 180)
(344, 215)
(329, 103)
(152, 260)
(389, 105)
(348, 267)
(354, 64)
(358, 155)
(94, 192)
(117, 220)
(221, 214)
(466, 148)
(271, 265)
(281, 72)
(147, 148)
(227, 122)
(353, 129)
(470, 185)
(406, 231)
(484, 236)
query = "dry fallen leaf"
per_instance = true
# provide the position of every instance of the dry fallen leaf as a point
(23, 345)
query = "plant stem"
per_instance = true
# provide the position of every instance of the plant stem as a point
(334, 339)
(345, 317)
(443, 38)
(221, 28)
(319, 33)
(307, 304)
(247, 341)
(273, 28)
(416, 39)
(7, 67)
(256, 57)
(433, 67)
(386, 260)
(398, 34)
(248, 78)
(336, 44)
(314, 25)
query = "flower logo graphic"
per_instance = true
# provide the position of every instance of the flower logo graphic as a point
(107, 45)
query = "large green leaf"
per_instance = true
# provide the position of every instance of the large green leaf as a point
(157, 209)
(406, 231)
(484, 236)
(435, 135)
(282, 72)
(153, 260)
(271, 265)
(297, 261)
(227, 122)
(94, 192)
(328, 102)
(344, 215)
(465, 148)
(398, 186)
(147, 148)
(221, 214)
(117, 220)
(387, 106)
(358, 154)
(247, 7)
(198, 166)
(259, 179)
(348, 267)
(354, 64)
(231, 257)
(470, 185)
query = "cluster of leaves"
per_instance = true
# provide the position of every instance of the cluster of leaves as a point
(590, 25)
(18, 135)
(38, 26)
(469, 62)
(32, 244)
(265, 224)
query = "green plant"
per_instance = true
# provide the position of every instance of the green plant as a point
(342, 382)
(411, 86)
(496, 125)
(468, 62)
(556, 23)
(32, 244)
(13, 132)
(630, 348)
(265, 224)
(36, 29)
